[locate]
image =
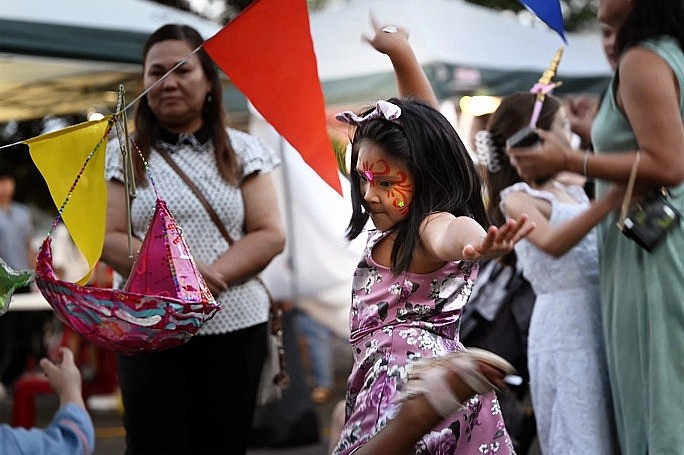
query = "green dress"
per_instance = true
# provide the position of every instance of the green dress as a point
(642, 295)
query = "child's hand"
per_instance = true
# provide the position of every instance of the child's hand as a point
(499, 241)
(64, 377)
(493, 375)
(387, 38)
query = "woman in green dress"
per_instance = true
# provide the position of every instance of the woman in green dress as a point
(642, 293)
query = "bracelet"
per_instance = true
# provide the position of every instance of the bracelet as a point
(585, 162)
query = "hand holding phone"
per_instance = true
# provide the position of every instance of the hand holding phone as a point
(526, 137)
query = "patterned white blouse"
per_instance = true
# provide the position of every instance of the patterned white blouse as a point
(242, 305)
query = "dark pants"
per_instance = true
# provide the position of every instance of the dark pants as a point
(198, 398)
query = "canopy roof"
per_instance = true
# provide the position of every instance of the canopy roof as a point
(464, 49)
(68, 56)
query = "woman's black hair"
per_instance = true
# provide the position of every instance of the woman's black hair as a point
(147, 125)
(651, 19)
(512, 115)
(444, 175)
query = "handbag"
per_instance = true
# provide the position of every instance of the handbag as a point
(647, 221)
(274, 377)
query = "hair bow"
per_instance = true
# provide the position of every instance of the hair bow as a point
(383, 109)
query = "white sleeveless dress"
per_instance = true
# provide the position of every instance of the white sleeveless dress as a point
(568, 373)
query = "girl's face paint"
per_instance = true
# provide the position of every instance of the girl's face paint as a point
(386, 185)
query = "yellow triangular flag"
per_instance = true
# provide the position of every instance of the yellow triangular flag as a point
(59, 156)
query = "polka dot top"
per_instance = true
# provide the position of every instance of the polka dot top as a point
(242, 305)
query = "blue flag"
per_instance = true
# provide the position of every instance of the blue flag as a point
(549, 11)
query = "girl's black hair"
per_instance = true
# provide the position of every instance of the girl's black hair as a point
(651, 19)
(444, 175)
(512, 115)
(147, 125)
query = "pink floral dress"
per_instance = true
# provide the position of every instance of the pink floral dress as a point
(394, 321)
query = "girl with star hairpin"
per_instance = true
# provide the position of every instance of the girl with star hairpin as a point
(560, 260)
(638, 137)
(413, 177)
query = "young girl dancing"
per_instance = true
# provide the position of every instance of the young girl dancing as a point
(412, 176)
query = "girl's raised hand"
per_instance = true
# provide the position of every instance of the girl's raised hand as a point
(387, 38)
(499, 241)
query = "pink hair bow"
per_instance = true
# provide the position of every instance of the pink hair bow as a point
(383, 109)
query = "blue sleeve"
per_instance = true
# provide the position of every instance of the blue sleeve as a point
(71, 432)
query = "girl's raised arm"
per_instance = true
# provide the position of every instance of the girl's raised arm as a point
(392, 40)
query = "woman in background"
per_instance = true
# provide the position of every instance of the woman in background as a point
(197, 398)
(641, 292)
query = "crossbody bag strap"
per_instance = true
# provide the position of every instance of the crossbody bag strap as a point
(198, 194)
(207, 206)
(281, 379)
(628, 192)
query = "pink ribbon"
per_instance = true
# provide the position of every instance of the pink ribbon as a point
(541, 89)
(383, 109)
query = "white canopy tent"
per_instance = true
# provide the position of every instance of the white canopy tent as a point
(68, 56)
(464, 49)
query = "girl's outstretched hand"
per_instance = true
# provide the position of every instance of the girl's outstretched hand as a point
(499, 241)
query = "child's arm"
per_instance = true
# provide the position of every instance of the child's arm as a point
(411, 79)
(71, 429)
(556, 240)
(445, 237)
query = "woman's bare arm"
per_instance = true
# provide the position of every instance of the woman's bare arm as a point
(264, 233)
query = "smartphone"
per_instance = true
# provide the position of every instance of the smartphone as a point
(526, 137)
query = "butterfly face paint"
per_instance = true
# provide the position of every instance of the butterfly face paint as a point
(386, 185)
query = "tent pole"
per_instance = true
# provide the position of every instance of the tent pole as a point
(289, 220)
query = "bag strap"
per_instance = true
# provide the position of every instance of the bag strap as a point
(281, 379)
(198, 194)
(210, 210)
(628, 192)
